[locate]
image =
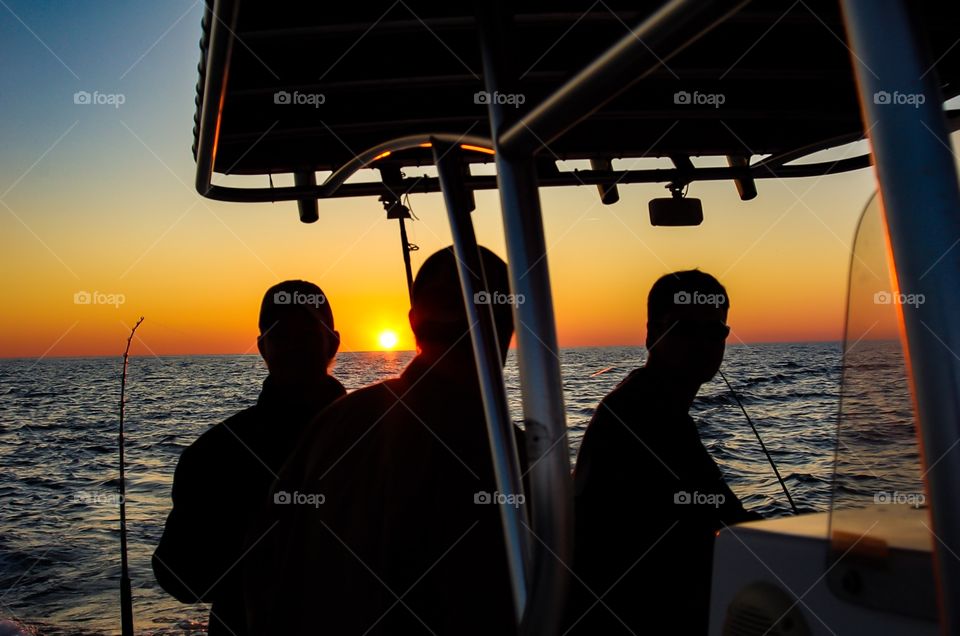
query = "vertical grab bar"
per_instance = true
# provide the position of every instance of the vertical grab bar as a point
(550, 502)
(921, 203)
(486, 351)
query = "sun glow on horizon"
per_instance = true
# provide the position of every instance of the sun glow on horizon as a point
(387, 340)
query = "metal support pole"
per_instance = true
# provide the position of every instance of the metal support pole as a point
(215, 88)
(308, 208)
(903, 114)
(668, 30)
(551, 489)
(486, 351)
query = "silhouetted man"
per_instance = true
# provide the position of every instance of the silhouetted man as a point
(649, 498)
(386, 520)
(222, 478)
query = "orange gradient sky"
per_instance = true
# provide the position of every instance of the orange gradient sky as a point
(99, 198)
(197, 269)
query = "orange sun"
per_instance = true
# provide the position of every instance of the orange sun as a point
(387, 339)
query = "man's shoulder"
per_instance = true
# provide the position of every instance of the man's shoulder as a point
(351, 416)
(629, 417)
(238, 424)
(215, 454)
(370, 399)
(623, 405)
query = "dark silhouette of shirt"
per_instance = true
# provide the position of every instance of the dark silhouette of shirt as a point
(649, 500)
(220, 481)
(406, 540)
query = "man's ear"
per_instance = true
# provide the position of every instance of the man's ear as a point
(414, 327)
(334, 343)
(652, 336)
(261, 346)
(412, 317)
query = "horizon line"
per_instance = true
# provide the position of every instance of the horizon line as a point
(201, 354)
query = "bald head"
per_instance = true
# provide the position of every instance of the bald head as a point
(438, 316)
(297, 336)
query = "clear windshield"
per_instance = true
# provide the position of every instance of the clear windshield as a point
(877, 460)
(879, 527)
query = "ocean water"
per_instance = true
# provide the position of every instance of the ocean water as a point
(59, 545)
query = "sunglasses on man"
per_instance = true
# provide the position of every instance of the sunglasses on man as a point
(699, 329)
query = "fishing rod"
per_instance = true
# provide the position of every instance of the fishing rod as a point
(762, 445)
(755, 432)
(126, 593)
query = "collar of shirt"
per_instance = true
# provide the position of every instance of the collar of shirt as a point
(278, 398)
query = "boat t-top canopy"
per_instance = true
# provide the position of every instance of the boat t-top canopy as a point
(298, 88)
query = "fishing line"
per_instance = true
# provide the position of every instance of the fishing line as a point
(762, 445)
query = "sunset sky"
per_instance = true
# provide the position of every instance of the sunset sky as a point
(99, 198)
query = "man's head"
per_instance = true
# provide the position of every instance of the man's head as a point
(297, 339)
(438, 317)
(686, 325)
